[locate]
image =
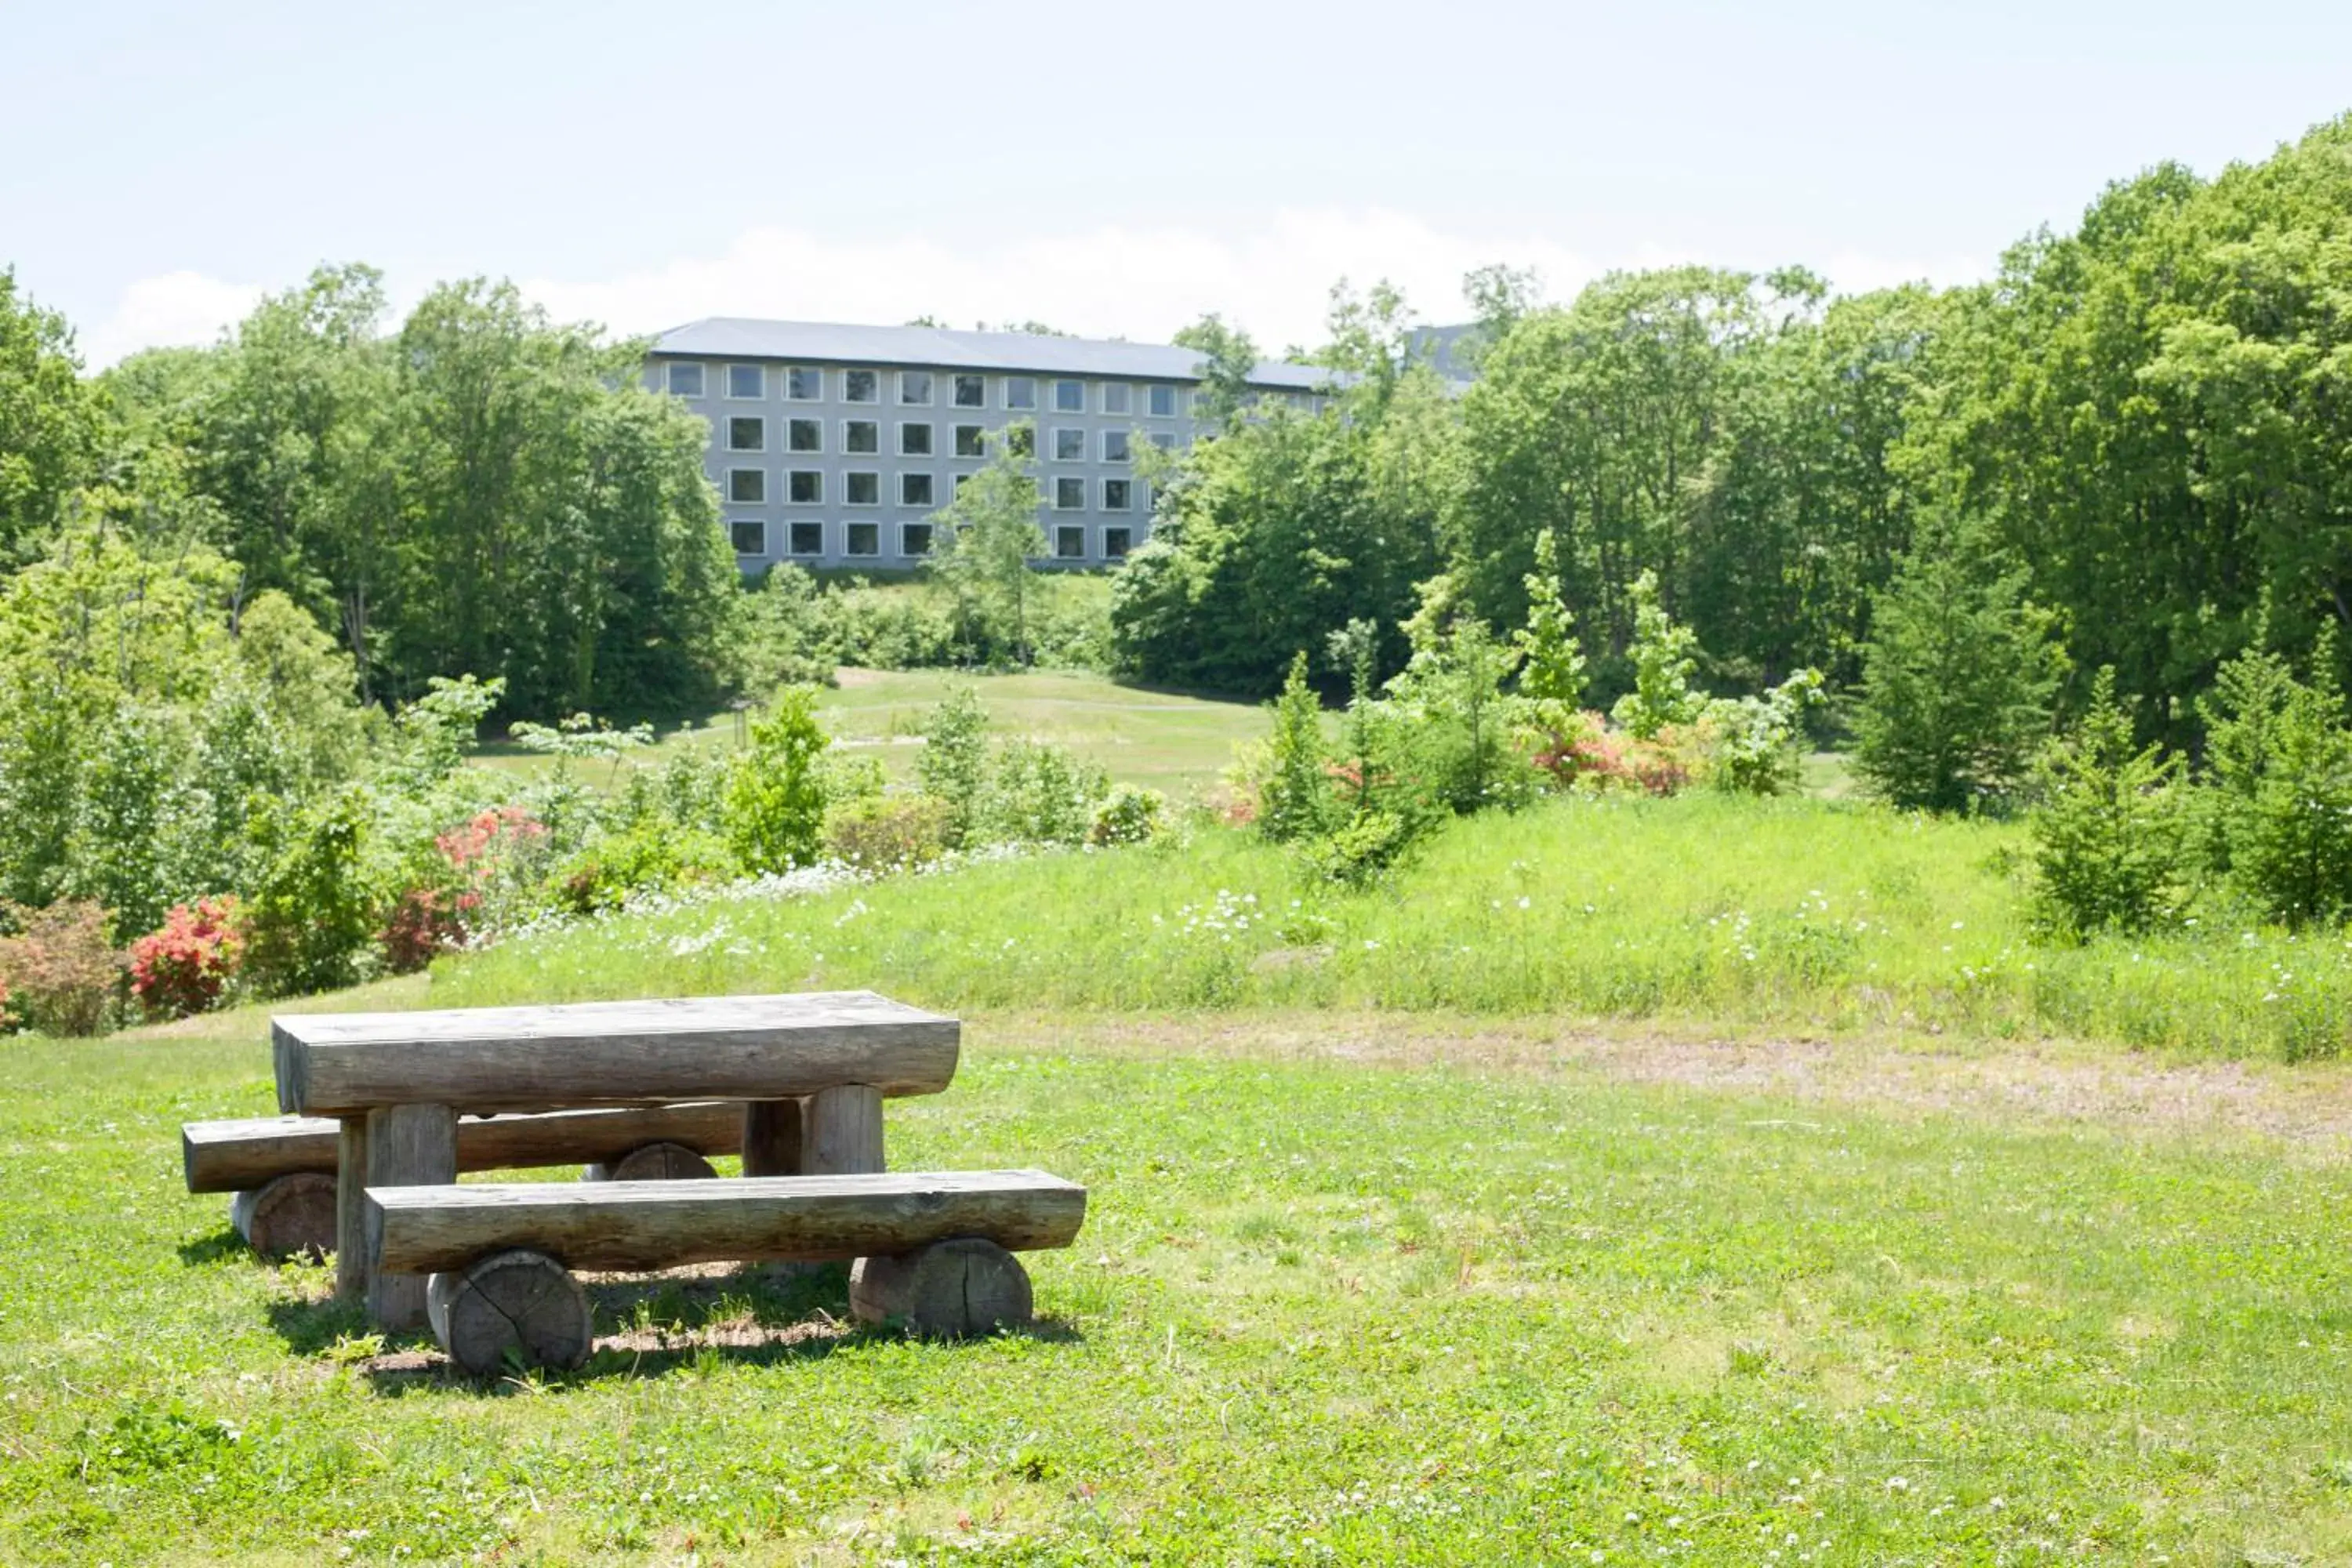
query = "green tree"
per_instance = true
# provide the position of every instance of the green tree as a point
(982, 544)
(1957, 677)
(1552, 674)
(2107, 835)
(774, 808)
(49, 428)
(1228, 358)
(952, 767)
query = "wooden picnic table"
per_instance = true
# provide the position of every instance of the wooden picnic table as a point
(810, 1071)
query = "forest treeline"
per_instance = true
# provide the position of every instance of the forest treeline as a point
(2144, 422)
(2150, 418)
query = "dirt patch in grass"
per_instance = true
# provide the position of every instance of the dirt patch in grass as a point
(2309, 1107)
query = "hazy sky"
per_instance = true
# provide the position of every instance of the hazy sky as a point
(1109, 168)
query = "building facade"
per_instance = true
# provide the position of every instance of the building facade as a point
(832, 445)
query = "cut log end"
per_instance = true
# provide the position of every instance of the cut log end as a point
(510, 1308)
(289, 1215)
(950, 1289)
(653, 1163)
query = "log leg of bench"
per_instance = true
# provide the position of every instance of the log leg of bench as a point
(518, 1304)
(292, 1214)
(845, 1132)
(652, 1163)
(949, 1288)
(408, 1146)
(350, 1210)
(773, 1137)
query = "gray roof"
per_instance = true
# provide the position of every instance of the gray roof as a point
(829, 342)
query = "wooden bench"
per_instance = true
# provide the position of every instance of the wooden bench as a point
(280, 1170)
(811, 1072)
(934, 1250)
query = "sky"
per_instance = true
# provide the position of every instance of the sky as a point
(1111, 169)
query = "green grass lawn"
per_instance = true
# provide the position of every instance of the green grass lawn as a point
(1322, 1310)
(1170, 743)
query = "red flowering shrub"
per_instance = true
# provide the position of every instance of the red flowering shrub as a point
(425, 921)
(442, 910)
(1598, 757)
(185, 966)
(60, 966)
(8, 1019)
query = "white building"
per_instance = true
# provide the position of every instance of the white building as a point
(831, 446)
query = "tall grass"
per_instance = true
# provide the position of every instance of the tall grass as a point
(1795, 914)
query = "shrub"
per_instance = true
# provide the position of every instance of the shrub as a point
(1128, 814)
(1294, 795)
(2107, 835)
(1751, 741)
(884, 832)
(953, 763)
(425, 921)
(185, 965)
(312, 916)
(774, 804)
(1664, 655)
(1365, 848)
(8, 1019)
(1039, 794)
(649, 857)
(60, 968)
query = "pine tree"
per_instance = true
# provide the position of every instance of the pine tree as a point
(1295, 802)
(2108, 837)
(1957, 677)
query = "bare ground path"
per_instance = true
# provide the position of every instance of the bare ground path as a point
(2307, 1107)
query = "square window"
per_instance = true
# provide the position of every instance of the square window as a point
(861, 386)
(915, 388)
(914, 440)
(1119, 495)
(747, 487)
(861, 436)
(1069, 495)
(914, 538)
(914, 490)
(863, 489)
(1118, 542)
(1115, 396)
(686, 380)
(864, 539)
(1164, 440)
(747, 434)
(1069, 446)
(1021, 440)
(751, 538)
(1069, 397)
(808, 539)
(1201, 401)
(746, 380)
(1020, 391)
(1160, 402)
(804, 384)
(804, 486)
(971, 392)
(970, 441)
(1070, 543)
(804, 434)
(1115, 447)
(959, 479)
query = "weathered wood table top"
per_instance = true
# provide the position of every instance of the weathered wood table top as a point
(580, 1055)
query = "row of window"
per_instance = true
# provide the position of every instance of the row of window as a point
(805, 486)
(918, 388)
(807, 538)
(749, 433)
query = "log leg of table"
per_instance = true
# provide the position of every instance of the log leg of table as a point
(408, 1146)
(350, 1210)
(773, 1137)
(845, 1132)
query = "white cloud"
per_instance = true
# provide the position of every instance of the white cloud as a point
(175, 309)
(1136, 282)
